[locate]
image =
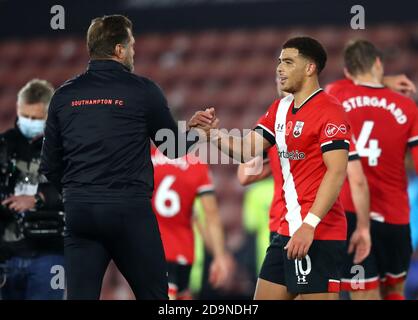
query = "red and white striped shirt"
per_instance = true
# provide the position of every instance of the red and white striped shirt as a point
(302, 135)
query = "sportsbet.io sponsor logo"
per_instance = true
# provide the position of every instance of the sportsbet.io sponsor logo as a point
(292, 155)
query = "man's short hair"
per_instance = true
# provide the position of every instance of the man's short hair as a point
(105, 33)
(36, 91)
(359, 56)
(309, 48)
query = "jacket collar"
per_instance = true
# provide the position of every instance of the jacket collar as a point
(107, 64)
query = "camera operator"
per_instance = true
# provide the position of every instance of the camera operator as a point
(31, 209)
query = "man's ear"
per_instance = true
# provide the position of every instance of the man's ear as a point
(311, 68)
(379, 64)
(378, 68)
(119, 51)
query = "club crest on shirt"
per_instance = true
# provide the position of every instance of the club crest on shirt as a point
(331, 129)
(297, 130)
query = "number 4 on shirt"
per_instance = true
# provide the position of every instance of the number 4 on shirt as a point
(372, 152)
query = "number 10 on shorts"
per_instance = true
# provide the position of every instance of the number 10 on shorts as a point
(302, 272)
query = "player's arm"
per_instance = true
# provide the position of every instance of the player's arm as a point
(214, 235)
(360, 240)
(359, 189)
(171, 140)
(242, 149)
(329, 189)
(253, 171)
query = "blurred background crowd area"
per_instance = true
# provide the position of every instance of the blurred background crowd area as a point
(203, 53)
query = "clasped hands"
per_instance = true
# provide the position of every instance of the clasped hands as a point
(206, 123)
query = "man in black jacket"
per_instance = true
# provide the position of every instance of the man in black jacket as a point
(97, 149)
(32, 224)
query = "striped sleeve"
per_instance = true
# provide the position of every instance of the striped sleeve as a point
(335, 131)
(413, 141)
(335, 145)
(205, 185)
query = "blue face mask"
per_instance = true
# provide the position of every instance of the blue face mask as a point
(31, 128)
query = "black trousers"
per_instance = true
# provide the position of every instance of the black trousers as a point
(126, 232)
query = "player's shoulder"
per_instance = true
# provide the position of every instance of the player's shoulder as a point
(281, 102)
(275, 104)
(329, 102)
(338, 85)
(400, 99)
(330, 108)
(271, 111)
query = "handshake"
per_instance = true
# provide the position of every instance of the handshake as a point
(205, 123)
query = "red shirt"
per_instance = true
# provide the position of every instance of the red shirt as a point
(302, 136)
(277, 204)
(383, 123)
(177, 183)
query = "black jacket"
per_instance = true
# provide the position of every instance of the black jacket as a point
(97, 137)
(25, 155)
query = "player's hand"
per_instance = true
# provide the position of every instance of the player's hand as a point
(202, 118)
(205, 122)
(400, 83)
(299, 244)
(361, 243)
(20, 203)
(219, 269)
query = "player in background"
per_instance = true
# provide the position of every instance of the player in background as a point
(384, 125)
(177, 184)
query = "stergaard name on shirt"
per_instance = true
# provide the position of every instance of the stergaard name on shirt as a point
(366, 101)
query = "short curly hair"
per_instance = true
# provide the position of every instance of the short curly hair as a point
(309, 48)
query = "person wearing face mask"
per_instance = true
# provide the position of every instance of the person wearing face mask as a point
(31, 208)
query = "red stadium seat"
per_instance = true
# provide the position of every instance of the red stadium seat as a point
(11, 52)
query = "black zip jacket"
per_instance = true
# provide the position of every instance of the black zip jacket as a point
(97, 136)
